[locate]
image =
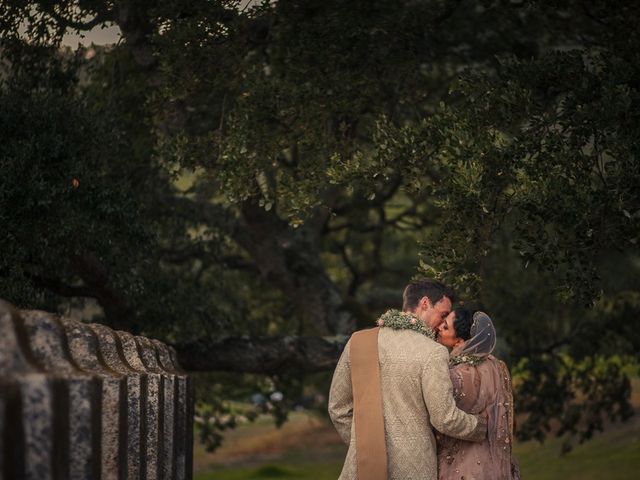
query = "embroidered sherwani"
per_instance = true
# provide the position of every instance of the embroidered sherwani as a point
(417, 396)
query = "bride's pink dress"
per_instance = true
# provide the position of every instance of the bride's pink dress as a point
(485, 388)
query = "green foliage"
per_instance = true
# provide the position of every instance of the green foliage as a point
(59, 197)
(544, 149)
(564, 385)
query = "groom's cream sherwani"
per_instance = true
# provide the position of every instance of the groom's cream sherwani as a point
(416, 395)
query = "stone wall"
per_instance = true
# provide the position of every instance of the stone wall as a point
(82, 401)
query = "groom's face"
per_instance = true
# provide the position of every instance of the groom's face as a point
(433, 314)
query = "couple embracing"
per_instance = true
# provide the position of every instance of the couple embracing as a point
(421, 397)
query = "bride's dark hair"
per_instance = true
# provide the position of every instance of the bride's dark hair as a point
(462, 323)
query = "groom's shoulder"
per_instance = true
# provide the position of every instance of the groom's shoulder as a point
(407, 340)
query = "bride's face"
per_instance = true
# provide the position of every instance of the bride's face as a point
(447, 333)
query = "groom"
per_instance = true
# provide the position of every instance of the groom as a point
(415, 392)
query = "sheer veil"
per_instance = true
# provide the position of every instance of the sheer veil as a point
(483, 337)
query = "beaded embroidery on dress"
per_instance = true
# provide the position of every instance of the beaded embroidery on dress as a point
(481, 384)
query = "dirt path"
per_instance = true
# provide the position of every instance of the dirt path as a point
(303, 436)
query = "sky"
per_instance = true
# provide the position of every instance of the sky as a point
(98, 36)
(111, 34)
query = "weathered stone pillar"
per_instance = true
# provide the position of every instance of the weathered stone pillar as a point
(130, 405)
(76, 401)
(27, 394)
(150, 400)
(83, 345)
(183, 409)
(164, 408)
(82, 401)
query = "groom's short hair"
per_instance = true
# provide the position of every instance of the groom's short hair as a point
(425, 287)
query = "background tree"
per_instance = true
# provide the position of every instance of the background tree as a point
(270, 170)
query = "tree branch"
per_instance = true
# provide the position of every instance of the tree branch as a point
(386, 192)
(66, 22)
(355, 274)
(379, 298)
(61, 288)
(265, 355)
(590, 15)
(448, 12)
(96, 276)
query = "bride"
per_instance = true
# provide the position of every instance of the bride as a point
(481, 385)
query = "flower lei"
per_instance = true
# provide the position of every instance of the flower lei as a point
(472, 360)
(397, 320)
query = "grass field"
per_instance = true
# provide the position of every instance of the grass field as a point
(307, 447)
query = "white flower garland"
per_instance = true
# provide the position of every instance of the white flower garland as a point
(397, 320)
(472, 360)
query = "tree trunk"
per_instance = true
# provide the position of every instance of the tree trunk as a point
(290, 259)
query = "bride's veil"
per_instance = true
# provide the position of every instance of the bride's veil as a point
(483, 336)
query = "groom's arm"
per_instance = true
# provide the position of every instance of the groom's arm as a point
(437, 391)
(341, 397)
